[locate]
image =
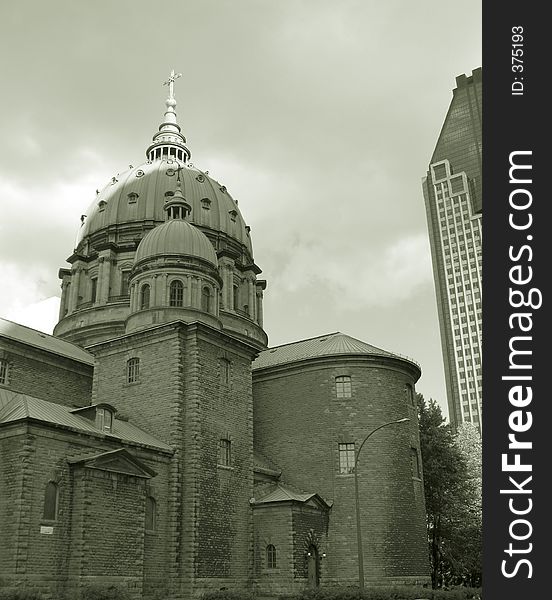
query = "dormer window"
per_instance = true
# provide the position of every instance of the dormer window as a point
(104, 420)
(102, 415)
(205, 203)
(101, 205)
(132, 197)
(233, 214)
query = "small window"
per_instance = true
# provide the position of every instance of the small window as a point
(206, 299)
(132, 197)
(4, 371)
(176, 293)
(125, 276)
(133, 370)
(415, 463)
(271, 556)
(145, 297)
(104, 420)
(225, 453)
(236, 292)
(409, 393)
(94, 289)
(101, 205)
(225, 371)
(343, 386)
(346, 458)
(150, 513)
(51, 498)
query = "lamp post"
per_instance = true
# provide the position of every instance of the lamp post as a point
(357, 502)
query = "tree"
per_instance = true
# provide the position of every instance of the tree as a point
(454, 535)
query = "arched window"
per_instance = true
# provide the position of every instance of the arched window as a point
(176, 293)
(125, 276)
(145, 297)
(50, 502)
(206, 299)
(133, 370)
(236, 290)
(271, 556)
(150, 513)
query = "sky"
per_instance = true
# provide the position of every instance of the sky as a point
(320, 117)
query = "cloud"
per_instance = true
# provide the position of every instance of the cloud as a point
(41, 315)
(358, 279)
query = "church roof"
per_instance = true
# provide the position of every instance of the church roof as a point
(49, 343)
(19, 407)
(330, 344)
(285, 493)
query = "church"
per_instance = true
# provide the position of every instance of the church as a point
(157, 442)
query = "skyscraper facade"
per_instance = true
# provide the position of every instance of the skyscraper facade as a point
(453, 198)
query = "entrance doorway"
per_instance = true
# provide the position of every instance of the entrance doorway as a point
(312, 568)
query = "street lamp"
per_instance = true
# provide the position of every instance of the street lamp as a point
(357, 503)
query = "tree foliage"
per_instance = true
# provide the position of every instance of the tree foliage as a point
(453, 498)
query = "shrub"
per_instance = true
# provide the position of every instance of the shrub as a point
(11, 594)
(99, 591)
(387, 593)
(228, 595)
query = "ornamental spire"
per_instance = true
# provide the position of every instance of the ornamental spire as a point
(170, 82)
(177, 207)
(169, 141)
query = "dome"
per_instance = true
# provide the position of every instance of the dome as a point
(138, 195)
(176, 237)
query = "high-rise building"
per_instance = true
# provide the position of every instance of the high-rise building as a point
(453, 199)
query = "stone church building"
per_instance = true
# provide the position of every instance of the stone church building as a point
(155, 441)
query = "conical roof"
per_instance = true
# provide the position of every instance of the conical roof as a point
(330, 344)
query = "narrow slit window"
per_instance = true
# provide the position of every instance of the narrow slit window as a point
(51, 500)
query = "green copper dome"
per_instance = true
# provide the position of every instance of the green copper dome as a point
(176, 237)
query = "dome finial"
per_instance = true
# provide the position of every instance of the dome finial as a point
(177, 206)
(170, 82)
(169, 141)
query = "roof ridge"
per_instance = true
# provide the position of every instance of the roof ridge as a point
(316, 337)
(37, 330)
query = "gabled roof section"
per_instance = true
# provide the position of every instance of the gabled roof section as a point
(285, 493)
(20, 407)
(116, 461)
(43, 341)
(330, 344)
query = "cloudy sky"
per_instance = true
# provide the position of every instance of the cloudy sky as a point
(320, 117)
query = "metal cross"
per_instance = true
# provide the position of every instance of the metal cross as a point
(178, 169)
(170, 82)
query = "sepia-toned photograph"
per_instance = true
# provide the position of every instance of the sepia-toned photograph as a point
(240, 313)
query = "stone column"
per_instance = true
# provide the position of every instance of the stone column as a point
(64, 299)
(188, 301)
(104, 277)
(260, 307)
(251, 297)
(75, 284)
